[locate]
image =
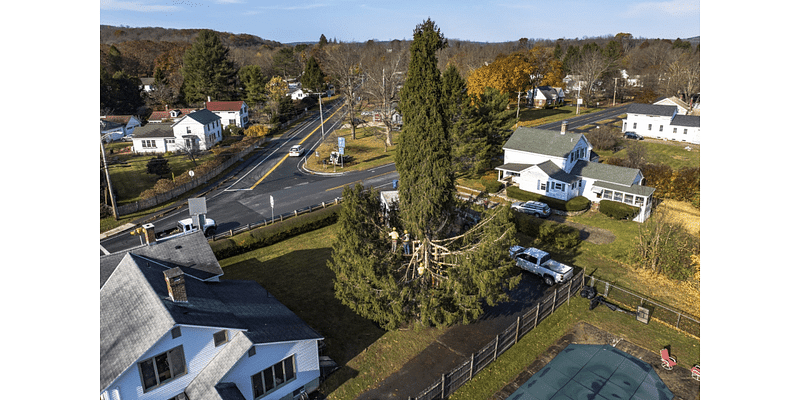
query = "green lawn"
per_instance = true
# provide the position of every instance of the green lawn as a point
(368, 150)
(366, 353)
(673, 154)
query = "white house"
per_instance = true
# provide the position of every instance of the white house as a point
(558, 165)
(116, 127)
(683, 108)
(170, 329)
(662, 122)
(297, 94)
(148, 84)
(546, 96)
(198, 131)
(231, 112)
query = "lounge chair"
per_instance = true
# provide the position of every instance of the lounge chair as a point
(696, 372)
(667, 361)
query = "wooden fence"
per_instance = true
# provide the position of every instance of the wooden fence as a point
(451, 381)
(679, 319)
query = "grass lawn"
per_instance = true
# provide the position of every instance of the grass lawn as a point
(368, 150)
(653, 336)
(673, 154)
(366, 353)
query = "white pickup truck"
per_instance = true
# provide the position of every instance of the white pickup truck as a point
(185, 226)
(539, 262)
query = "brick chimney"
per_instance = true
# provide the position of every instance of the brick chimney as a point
(563, 127)
(149, 233)
(176, 285)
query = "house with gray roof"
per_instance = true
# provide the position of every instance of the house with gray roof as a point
(196, 131)
(662, 121)
(559, 165)
(171, 329)
(116, 127)
(546, 96)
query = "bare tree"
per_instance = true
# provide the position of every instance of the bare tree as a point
(384, 72)
(590, 65)
(342, 63)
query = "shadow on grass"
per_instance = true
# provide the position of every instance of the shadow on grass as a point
(302, 281)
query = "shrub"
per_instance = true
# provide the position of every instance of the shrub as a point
(257, 130)
(617, 210)
(579, 203)
(549, 233)
(516, 193)
(491, 185)
(275, 233)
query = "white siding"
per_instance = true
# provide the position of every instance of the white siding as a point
(521, 157)
(306, 364)
(138, 146)
(207, 135)
(198, 350)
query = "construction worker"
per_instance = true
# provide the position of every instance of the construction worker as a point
(406, 243)
(394, 235)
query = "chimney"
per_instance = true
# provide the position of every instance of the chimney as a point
(176, 285)
(149, 233)
(563, 127)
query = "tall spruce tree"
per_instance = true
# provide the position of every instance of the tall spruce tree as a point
(253, 82)
(313, 78)
(207, 71)
(427, 184)
(486, 127)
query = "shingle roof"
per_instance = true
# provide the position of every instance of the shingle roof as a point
(542, 141)
(190, 252)
(159, 115)
(645, 191)
(203, 116)
(136, 311)
(224, 105)
(605, 172)
(153, 130)
(692, 121)
(652, 109)
(515, 167)
(552, 170)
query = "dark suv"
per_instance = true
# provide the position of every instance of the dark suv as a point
(633, 135)
(536, 208)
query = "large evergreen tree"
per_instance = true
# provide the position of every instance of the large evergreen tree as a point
(312, 78)
(423, 154)
(253, 83)
(486, 127)
(207, 71)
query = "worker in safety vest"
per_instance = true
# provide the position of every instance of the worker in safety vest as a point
(406, 243)
(394, 235)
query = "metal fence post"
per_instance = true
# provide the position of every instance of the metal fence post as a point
(496, 344)
(516, 336)
(472, 366)
(443, 386)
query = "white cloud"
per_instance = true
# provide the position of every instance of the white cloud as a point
(677, 8)
(112, 5)
(294, 8)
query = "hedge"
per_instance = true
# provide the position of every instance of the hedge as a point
(491, 185)
(550, 233)
(271, 234)
(579, 203)
(617, 210)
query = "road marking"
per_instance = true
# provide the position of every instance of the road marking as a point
(301, 142)
(360, 180)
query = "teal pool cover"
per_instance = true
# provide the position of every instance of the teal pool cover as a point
(594, 372)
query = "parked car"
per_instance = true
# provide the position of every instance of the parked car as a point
(536, 208)
(633, 135)
(539, 262)
(296, 151)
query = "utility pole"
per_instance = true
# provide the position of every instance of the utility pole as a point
(321, 120)
(615, 92)
(108, 178)
(578, 110)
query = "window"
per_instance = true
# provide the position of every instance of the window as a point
(629, 198)
(558, 186)
(661, 128)
(176, 332)
(171, 141)
(649, 127)
(188, 129)
(273, 377)
(162, 368)
(634, 125)
(674, 130)
(543, 186)
(685, 130)
(220, 338)
(252, 351)
(639, 201)
(618, 196)
(231, 122)
(149, 144)
(607, 194)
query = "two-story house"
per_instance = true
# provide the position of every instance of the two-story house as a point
(546, 96)
(558, 165)
(662, 122)
(196, 131)
(116, 127)
(231, 112)
(171, 329)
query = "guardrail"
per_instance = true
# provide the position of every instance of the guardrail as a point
(275, 219)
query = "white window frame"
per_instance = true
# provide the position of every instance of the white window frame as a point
(175, 371)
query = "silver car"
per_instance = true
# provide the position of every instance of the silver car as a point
(536, 208)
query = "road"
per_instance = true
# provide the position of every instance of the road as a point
(243, 196)
(588, 119)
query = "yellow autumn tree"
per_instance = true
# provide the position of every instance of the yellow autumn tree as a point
(508, 74)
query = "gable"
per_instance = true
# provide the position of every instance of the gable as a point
(545, 142)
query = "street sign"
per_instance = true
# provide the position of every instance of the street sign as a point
(271, 201)
(341, 142)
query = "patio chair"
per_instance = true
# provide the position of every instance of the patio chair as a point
(667, 361)
(696, 372)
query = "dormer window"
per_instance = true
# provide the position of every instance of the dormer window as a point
(221, 338)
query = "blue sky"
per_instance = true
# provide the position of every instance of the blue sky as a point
(289, 21)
